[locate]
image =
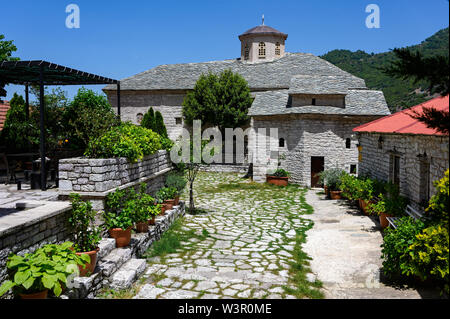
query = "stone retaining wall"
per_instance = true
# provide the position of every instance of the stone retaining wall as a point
(25, 231)
(225, 168)
(94, 179)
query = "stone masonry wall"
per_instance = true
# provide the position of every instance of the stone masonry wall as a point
(376, 161)
(93, 179)
(305, 137)
(49, 229)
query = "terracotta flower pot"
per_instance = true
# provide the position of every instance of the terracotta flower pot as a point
(122, 237)
(163, 210)
(38, 295)
(383, 221)
(169, 203)
(152, 221)
(363, 204)
(336, 194)
(142, 227)
(89, 268)
(176, 200)
(279, 181)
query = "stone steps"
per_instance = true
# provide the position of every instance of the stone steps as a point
(119, 268)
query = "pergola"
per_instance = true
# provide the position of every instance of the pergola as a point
(44, 73)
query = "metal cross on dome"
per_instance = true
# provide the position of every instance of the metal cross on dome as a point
(263, 19)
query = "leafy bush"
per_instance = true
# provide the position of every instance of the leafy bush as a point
(118, 213)
(47, 268)
(166, 193)
(86, 234)
(88, 117)
(331, 178)
(391, 203)
(142, 206)
(176, 181)
(280, 173)
(429, 255)
(396, 244)
(126, 140)
(438, 208)
(155, 122)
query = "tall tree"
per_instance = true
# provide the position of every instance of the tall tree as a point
(435, 72)
(148, 121)
(219, 100)
(6, 50)
(160, 127)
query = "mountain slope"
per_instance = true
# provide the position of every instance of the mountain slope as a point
(399, 93)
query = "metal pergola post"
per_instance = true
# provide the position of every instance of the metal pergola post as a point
(118, 99)
(27, 103)
(42, 126)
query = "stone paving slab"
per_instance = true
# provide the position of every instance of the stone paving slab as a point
(248, 249)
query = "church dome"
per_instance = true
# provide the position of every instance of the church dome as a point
(263, 30)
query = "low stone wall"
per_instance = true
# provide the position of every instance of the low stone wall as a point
(94, 179)
(24, 231)
(118, 268)
(225, 168)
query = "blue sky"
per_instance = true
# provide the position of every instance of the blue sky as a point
(120, 38)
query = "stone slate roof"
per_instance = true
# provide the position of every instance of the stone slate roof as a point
(318, 84)
(268, 75)
(357, 102)
(263, 30)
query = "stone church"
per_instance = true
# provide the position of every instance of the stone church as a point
(313, 104)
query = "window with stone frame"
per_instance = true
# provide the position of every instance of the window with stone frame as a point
(139, 118)
(348, 143)
(394, 165)
(424, 180)
(353, 168)
(262, 50)
(246, 52)
(178, 121)
(278, 49)
(281, 142)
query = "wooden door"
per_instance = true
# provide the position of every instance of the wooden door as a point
(317, 166)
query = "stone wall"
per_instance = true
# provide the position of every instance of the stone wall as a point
(305, 136)
(94, 179)
(25, 231)
(136, 104)
(376, 160)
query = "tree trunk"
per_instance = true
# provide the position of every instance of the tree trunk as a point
(191, 197)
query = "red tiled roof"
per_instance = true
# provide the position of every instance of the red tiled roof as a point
(4, 107)
(402, 123)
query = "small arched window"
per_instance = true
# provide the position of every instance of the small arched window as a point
(246, 52)
(278, 49)
(139, 118)
(348, 143)
(281, 142)
(262, 50)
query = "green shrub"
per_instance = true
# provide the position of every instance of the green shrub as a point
(396, 243)
(391, 202)
(118, 213)
(166, 193)
(47, 268)
(280, 173)
(331, 178)
(348, 185)
(148, 121)
(142, 206)
(176, 181)
(438, 208)
(126, 140)
(86, 234)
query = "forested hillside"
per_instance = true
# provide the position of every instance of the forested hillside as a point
(399, 93)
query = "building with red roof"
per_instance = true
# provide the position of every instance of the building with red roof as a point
(4, 107)
(403, 150)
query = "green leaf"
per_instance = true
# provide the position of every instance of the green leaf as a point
(48, 281)
(28, 283)
(7, 285)
(57, 289)
(20, 277)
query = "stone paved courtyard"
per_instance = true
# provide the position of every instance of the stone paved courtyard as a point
(243, 246)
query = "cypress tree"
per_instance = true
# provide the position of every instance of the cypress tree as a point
(148, 121)
(160, 127)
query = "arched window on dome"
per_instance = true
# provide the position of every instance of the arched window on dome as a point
(262, 50)
(246, 52)
(277, 49)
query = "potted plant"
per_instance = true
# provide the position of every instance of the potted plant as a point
(155, 210)
(86, 235)
(178, 182)
(364, 194)
(118, 216)
(388, 205)
(279, 177)
(34, 274)
(166, 195)
(332, 178)
(143, 207)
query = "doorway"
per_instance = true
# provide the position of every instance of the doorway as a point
(317, 166)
